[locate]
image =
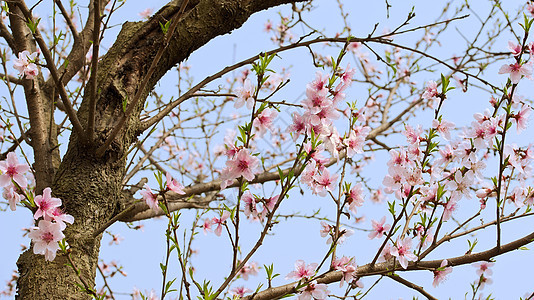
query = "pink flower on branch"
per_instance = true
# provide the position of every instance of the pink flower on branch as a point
(402, 252)
(248, 270)
(347, 266)
(264, 121)
(12, 196)
(45, 238)
(441, 273)
(516, 71)
(324, 182)
(379, 229)
(206, 226)
(483, 268)
(240, 291)
(12, 170)
(444, 127)
(61, 218)
(220, 222)
(521, 118)
(314, 290)
(46, 204)
(302, 270)
(174, 185)
(355, 197)
(150, 198)
(514, 48)
(25, 64)
(431, 91)
(245, 95)
(243, 164)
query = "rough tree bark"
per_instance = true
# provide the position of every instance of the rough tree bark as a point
(90, 185)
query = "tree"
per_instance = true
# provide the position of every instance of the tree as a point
(113, 111)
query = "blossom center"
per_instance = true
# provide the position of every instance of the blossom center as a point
(11, 171)
(47, 237)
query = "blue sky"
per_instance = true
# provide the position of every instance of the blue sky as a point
(141, 252)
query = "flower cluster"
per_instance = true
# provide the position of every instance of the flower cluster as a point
(49, 231)
(345, 265)
(48, 212)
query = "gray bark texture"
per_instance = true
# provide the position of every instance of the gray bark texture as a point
(90, 185)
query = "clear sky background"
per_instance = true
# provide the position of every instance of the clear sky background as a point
(141, 251)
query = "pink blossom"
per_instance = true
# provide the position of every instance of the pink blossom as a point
(271, 202)
(240, 291)
(378, 196)
(243, 164)
(174, 185)
(354, 47)
(355, 197)
(447, 155)
(483, 280)
(206, 226)
(302, 271)
(514, 48)
(379, 229)
(450, 207)
(46, 205)
(425, 238)
(462, 183)
(245, 94)
(220, 222)
(325, 229)
(316, 290)
(413, 136)
(347, 266)
(116, 239)
(343, 235)
(402, 252)
(150, 198)
(431, 90)
(356, 141)
(45, 239)
(12, 196)
(441, 273)
(516, 71)
(248, 270)
(264, 121)
(346, 78)
(249, 203)
(298, 126)
(444, 127)
(483, 268)
(530, 9)
(386, 253)
(393, 181)
(521, 118)
(11, 169)
(145, 14)
(61, 218)
(25, 64)
(325, 182)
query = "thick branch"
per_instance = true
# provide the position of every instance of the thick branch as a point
(4, 32)
(128, 61)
